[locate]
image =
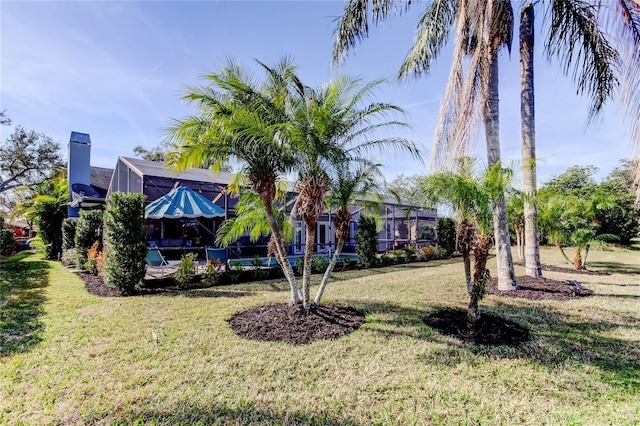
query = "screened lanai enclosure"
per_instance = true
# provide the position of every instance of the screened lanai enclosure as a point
(402, 224)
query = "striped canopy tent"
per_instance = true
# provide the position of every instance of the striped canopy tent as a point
(182, 202)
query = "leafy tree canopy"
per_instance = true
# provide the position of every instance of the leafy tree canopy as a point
(27, 158)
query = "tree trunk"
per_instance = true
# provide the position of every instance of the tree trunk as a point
(281, 251)
(464, 241)
(584, 259)
(308, 254)
(577, 260)
(506, 273)
(327, 273)
(564, 254)
(480, 277)
(527, 112)
(520, 243)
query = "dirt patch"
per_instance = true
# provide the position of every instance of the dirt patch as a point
(284, 323)
(489, 330)
(539, 289)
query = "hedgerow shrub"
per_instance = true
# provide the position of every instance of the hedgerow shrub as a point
(49, 217)
(69, 233)
(125, 240)
(367, 241)
(7, 242)
(447, 234)
(88, 231)
(212, 272)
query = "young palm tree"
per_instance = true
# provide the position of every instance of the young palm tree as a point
(482, 28)
(347, 187)
(334, 125)
(247, 121)
(469, 194)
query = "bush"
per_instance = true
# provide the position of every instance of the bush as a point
(319, 263)
(69, 234)
(68, 257)
(428, 252)
(447, 234)
(400, 256)
(385, 259)
(88, 232)
(94, 256)
(7, 242)
(186, 270)
(367, 241)
(234, 270)
(49, 217)
(212, 271)
(125, 239)
(257, 268)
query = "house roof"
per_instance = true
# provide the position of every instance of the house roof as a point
(154, 168)
(101, 177)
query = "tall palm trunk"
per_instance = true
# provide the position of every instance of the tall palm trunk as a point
(281, 250)
(506, 273)
(309, 245)
(527, 111)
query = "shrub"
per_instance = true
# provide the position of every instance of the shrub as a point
(91, 264)
(69, 257)
(212, 271)
(299, 268)
(447, 234)
(319, 263)
(428, 252)
(7, 242)
(257, 268)
(400, 256)
(88, 231)
(234, 270)
(125, 239)
(385, 259)
(186, 270)
(69, 233)
(367, 241)
(441, 252)
(49, 217)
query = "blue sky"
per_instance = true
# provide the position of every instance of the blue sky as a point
(116, 70)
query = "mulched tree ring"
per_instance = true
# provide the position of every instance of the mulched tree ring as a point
(539, 289)
(489, 330)
(285, 323)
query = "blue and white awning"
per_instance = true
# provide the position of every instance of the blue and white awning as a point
(182, 202)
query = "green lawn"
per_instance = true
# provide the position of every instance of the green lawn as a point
(68, 357)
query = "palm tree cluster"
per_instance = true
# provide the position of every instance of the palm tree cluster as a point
(596, 43)
(279, 127)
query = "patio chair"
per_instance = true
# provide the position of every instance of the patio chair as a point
(216, 253)
(155, 260)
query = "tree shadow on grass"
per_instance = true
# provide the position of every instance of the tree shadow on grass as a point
(615, 267)
(559, 341)
(247, 413)
(555, 340)
(22, 287)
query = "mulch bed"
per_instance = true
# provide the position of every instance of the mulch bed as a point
(489, 330)
(539, 289)
(568, 270)
(285, 323)
(96, 286)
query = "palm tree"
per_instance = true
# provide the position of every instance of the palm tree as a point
(575, 36)
(347, 187)
(334, 125)
(247, 121)
(472, 91)
(469, 193)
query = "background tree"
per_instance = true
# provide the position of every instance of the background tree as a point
(469, 192)
(4, 118)
(157, 154)
(623, 217)
(517, 222)
(27, 158)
